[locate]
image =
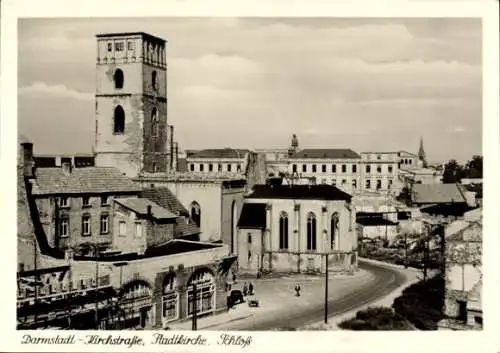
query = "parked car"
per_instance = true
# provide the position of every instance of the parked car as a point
(237, 297)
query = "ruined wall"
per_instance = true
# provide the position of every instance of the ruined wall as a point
(230, 216)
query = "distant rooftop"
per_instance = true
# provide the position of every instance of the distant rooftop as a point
(229, 153)
(331, 153)
(438, 193)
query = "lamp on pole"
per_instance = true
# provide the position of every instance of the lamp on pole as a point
(326, 289)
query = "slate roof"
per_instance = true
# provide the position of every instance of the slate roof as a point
(183, 229)
(51, 181)
(375, 221)
(438, 193)
(140, 206)
(253, 216)
(229, 153)
(299, 192)
(331, 153)
(166, 199)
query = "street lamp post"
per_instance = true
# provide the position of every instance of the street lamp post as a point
(326, 289)
(194, 316)
(96, 253)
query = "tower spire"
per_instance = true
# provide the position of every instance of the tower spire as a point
(421, 153)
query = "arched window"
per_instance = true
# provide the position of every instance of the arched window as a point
(283, 230)
(119, 121)
(334, 230)
(154, 122)
(205, 292)
(154, 80)
(311, 231)
(118, 78)
(196, 213)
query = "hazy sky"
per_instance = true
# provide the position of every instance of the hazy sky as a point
(369, 85)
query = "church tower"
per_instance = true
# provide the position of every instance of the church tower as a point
(421, 154)
(131, 103)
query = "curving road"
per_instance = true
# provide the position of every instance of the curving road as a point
(386, 280)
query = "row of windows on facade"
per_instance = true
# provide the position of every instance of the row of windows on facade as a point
(103, 226)
(119, 122)
(86, 225)
(368, 183)
(211, 167)
(65, 202)
(311, 243)
(119, 79)
(343, 167)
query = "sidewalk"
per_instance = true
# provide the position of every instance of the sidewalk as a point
(239, 312)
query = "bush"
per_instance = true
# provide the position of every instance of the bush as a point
(376, 319)
(422, 303)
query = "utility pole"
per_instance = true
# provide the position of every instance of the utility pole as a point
(426, 251)
(326, 289)
(195, 309)
(406, 249)
(35, 272)
(96, 251)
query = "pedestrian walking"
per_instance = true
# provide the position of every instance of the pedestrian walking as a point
(297, 290)
(250, 288)
(229, 304)
(245, 289)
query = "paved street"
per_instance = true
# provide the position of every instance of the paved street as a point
(281, 309)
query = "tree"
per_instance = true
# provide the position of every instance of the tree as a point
(453, 172)
(474, 167)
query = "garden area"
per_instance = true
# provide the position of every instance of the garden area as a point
(413, 253)
(376, 319)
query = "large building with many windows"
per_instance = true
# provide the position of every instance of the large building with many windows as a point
(297, 228)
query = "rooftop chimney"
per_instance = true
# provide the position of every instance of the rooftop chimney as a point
(66, 168)
(27, 159)
(150, 212)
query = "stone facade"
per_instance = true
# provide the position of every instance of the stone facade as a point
(463, 275)
(261, 248)
(131, 80)
(379, 171)
(74, 213)
(139, 233)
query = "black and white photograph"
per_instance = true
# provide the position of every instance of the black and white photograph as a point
(246, 174)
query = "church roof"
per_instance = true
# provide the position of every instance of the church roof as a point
(88, 180)
(326, 153)
(253, 216)
(299, 192)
